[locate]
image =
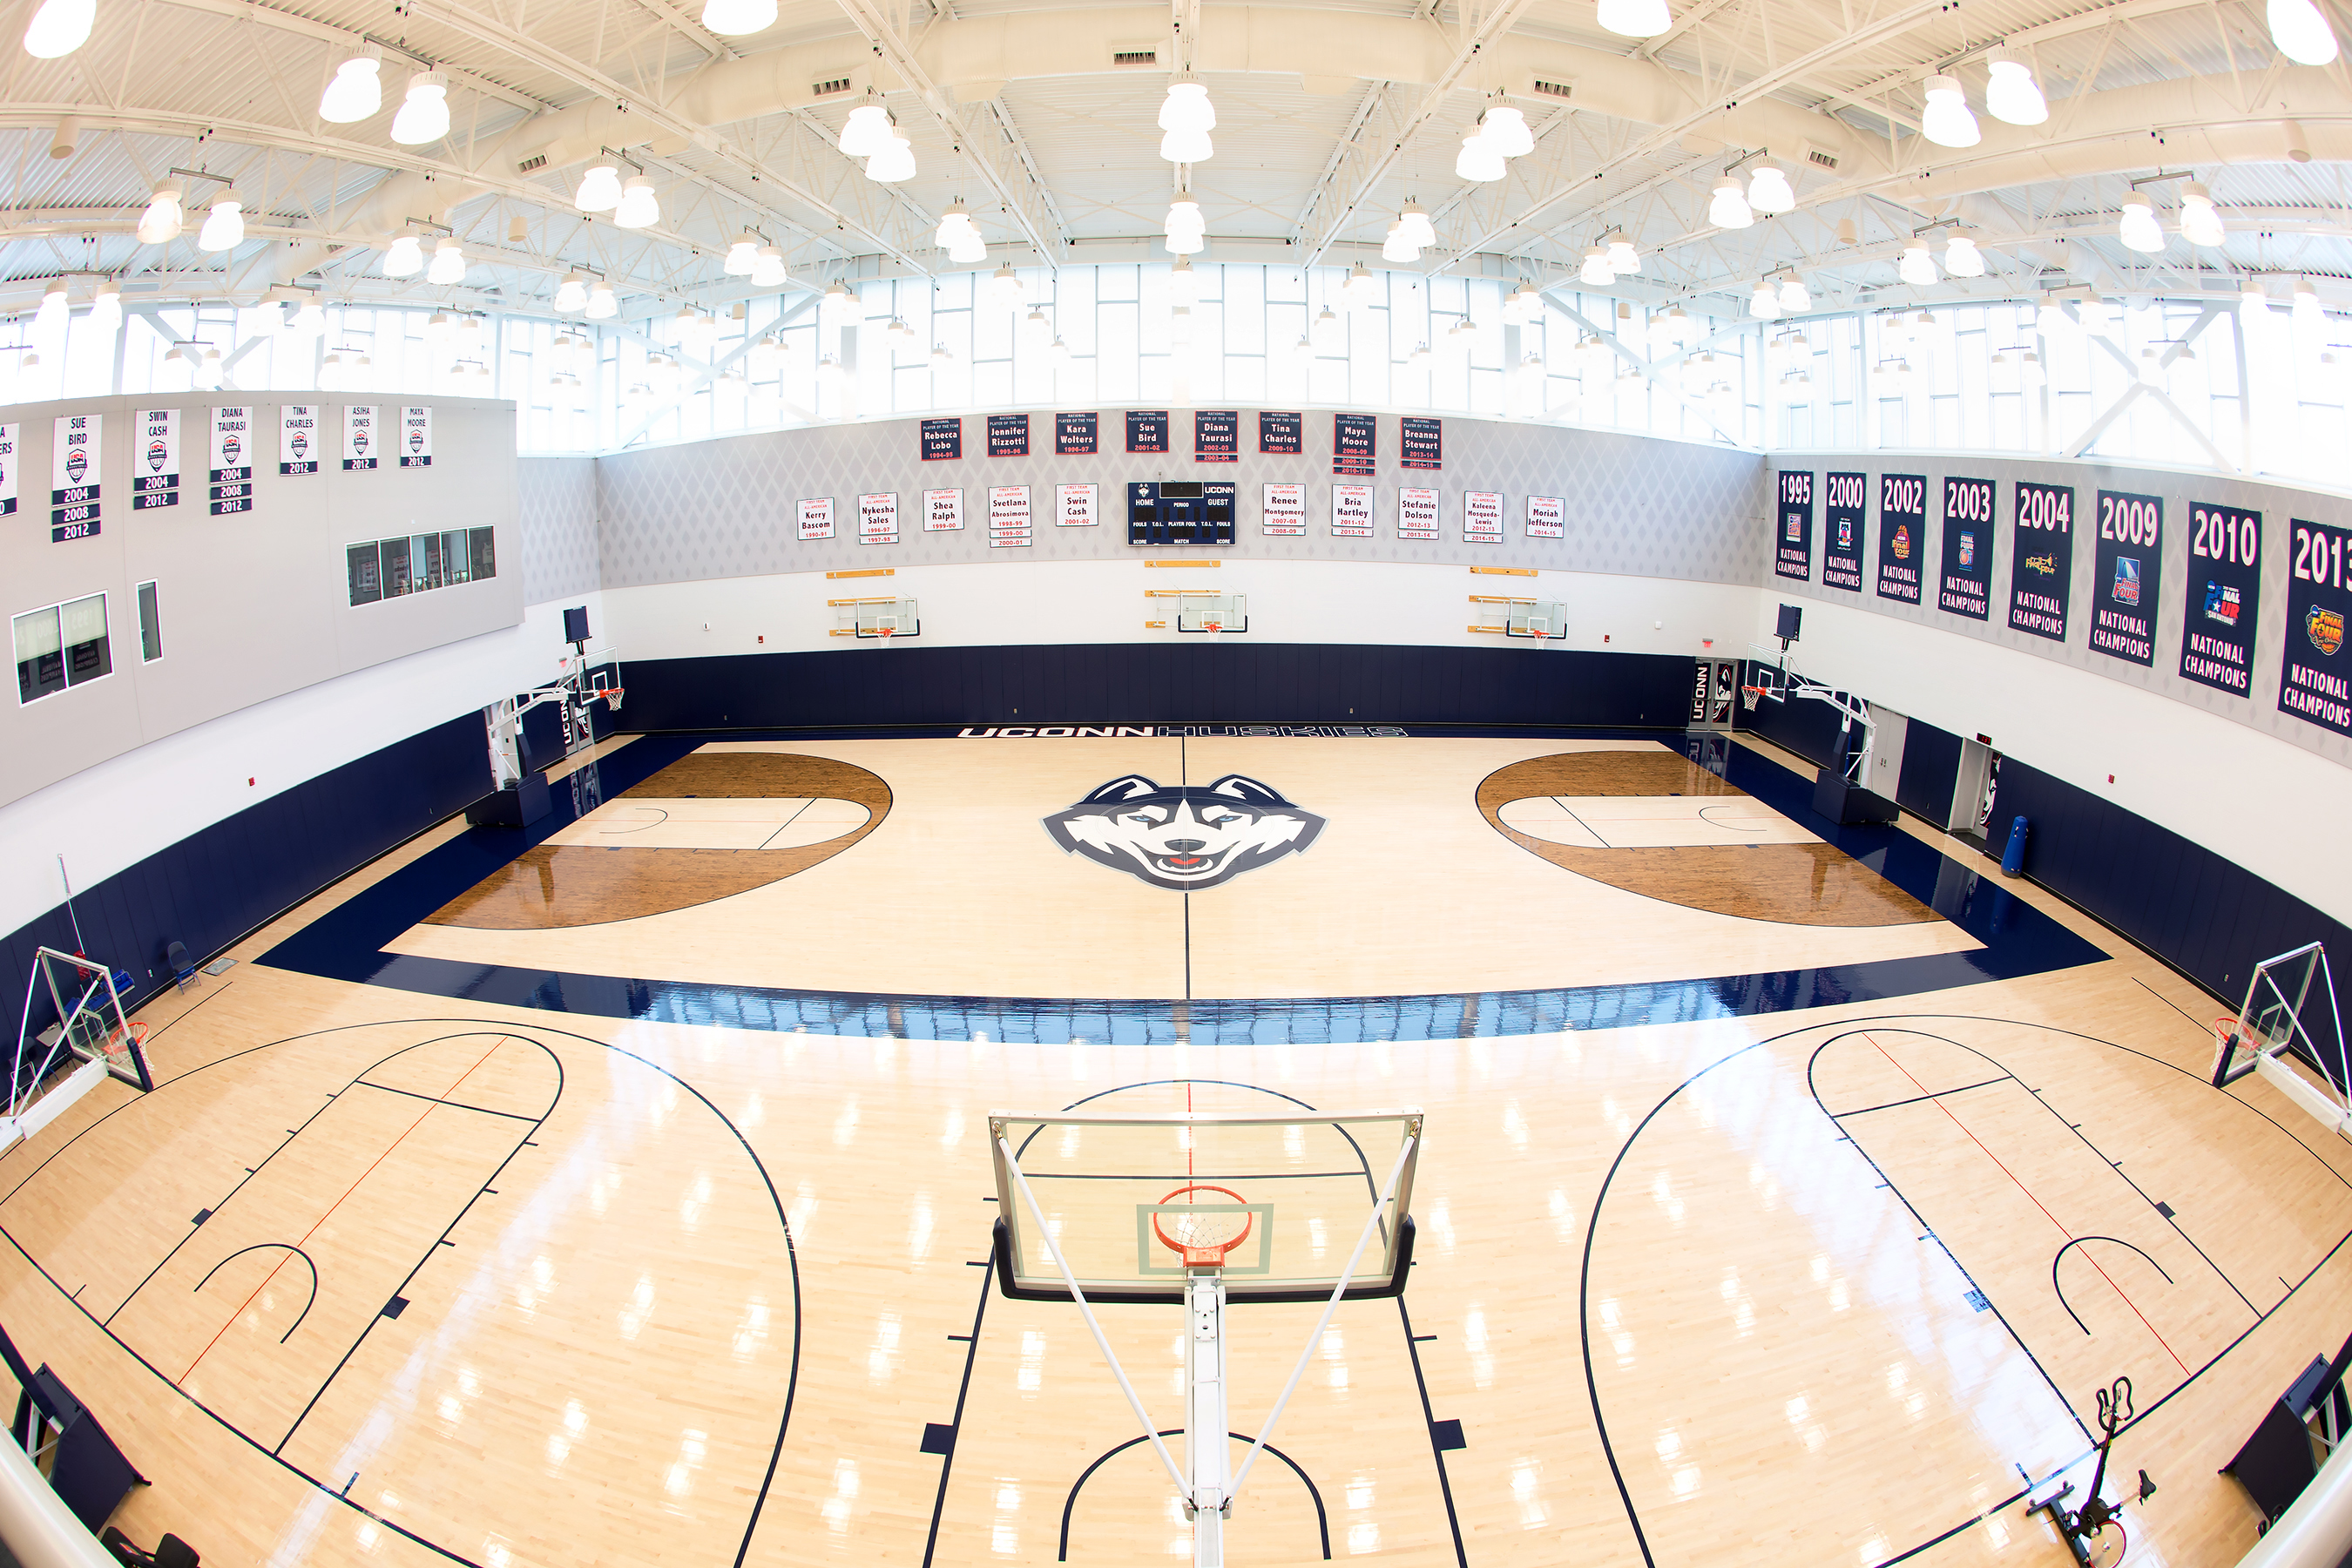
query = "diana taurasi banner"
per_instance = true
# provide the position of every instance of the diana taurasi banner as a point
(2225, 580)
(2313, 682)
(2126, 572)
(1075, 434)
(1845, 509)
(1793, 554)
(1902, 535)
(1965, 585)
(1216, 435)
(232, 461)
(2041, 559)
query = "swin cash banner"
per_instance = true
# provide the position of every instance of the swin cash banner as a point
(2225, 580)
(2041, 559)
(2315, 683)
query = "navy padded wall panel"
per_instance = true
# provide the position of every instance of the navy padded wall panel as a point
(1197, 681)
(1931, 771)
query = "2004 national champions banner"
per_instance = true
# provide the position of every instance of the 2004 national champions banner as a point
(2316, 673)
(2041, 559)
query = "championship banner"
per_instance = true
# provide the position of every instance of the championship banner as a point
(1009, 523)
(877, 519)
(1902, 535)
(1355, 441)
(942, 511)
(359, 437)
(1077, 506)
(2217, 640)
(1416, 514)
(1792, 553)
(10, 433)
(2127, 572)
(416, 437)
(1075, 434)
(942, 440)
(816, 517)
(1281, 434)
(1285, 510)
(232, 461)
(1965, 587)
(1546, 516)
(1216, 435)
(1845, 508)
(1423, 443)
(1352, 511)
(2041, 559)
(1008, 434)
(74, 458)
(1482, 516)
(1147, 430)
(155, 462)
(2316, 674)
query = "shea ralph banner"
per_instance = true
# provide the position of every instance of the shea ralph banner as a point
(2316, 675)
(2127, 571)
(2041, 559)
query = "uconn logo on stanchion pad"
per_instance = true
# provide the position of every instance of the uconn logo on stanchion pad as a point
(1183, 836)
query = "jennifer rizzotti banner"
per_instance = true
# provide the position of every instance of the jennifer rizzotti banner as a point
(942, 511)
(155, 464)
(1546, 516)
(1352, 511)
(298, 438)
(1077, 506)
(73, 477)
(815, 515)
(360, 441)
(1285, 510)
(416, 437)
(8, 433)
(877, 519)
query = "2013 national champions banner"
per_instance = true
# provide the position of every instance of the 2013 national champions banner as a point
(2316, 673)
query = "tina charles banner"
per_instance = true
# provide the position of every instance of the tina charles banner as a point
(2316, 675)
(2216, 643)
(1845, 504)
(1794, 556)
(1967, 585)
(2041, 559)
(1902, 535)
(2127, 571)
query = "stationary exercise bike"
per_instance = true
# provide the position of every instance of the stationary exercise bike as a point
(2095, 1532)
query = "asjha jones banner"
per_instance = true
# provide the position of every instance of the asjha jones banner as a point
(2316, 674)
(2224, 597)
(1967, 585)
(2041, 559)
(1902, 535)
(1845, 510)
(2127, 576)
(359, 437)
(1793, 557)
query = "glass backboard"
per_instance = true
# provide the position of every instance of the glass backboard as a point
(1112, 1186)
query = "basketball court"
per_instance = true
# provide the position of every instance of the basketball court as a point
(1732, 1176)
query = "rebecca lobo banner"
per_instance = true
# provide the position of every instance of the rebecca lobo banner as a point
(2041, 559)
(2224, 597)
(155, 463)
(1845, 512)
(2127, 576)
(1793, 554)
(2313, 683)
(942, 440)
(1966, 588)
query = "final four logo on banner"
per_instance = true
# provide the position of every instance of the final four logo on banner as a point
(2225, 582)
(1845, 510)
(155, 468)
(2316, 675)
(2041, 559)
(1967, 585)
(1902, 535)
(2127, 567)
(1793, 555)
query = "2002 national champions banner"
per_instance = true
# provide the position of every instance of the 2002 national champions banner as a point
(1902, 535)
(2316, 673)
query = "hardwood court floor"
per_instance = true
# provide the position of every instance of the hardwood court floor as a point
(675, 1294)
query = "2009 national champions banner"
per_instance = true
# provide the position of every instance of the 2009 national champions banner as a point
(2316, 673)
(2126, 575)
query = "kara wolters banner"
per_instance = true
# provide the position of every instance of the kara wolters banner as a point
(1281, 434)
(1216, 435)
(2041, 559)
(2217, 642)
(73, 477)
(1147, 430)
(2127, 569)
(1074, 435)
(2316, 675)
(1966, 588)
(942, 440)
(1421, 444)
(155, 463)
(1902, 535)
(1355, 441)
(1793, 555)
(1008, 434)
(1845, 505)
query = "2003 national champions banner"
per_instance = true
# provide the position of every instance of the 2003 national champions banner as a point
(2316, 673)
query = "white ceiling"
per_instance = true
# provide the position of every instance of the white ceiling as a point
(1330, 114)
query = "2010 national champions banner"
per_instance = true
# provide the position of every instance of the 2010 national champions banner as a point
(2316, 674)
(2224, 597)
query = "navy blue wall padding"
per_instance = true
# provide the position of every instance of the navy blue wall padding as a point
(1803, 725)
(1931, 769)
(1196, 681)
(2207, 916)
(213, 886)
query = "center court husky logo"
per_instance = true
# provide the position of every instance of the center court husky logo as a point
(1182, 836)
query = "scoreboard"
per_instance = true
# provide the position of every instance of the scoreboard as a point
(1181, 512)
